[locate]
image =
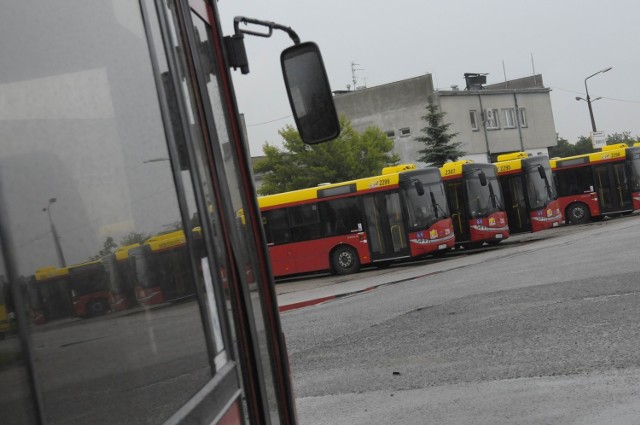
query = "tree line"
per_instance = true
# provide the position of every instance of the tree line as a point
(353, 154)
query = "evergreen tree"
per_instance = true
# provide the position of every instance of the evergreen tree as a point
(439, 147)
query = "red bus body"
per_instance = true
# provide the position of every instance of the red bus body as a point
(475, 201)
(598, 184)
(529, 192)
(399, 214)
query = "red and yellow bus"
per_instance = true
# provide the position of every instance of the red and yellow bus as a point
(340, 227)
(79, 290)
(89, 289)
(5, 324)
(529, 192)
(598, 184)
(118, 269)
(159, 269)
(476, 203)
(52, 295)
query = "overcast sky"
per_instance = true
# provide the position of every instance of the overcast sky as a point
(391, 41)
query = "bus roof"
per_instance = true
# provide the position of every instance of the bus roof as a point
(51, 272)
(608, 153)
(122, 253)
(455, 169)
(167, 240)
(389, 177)
(512, 163)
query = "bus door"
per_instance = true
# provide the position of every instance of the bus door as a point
(458, 208)
(385, 226)
(515, 203)
(612, 187)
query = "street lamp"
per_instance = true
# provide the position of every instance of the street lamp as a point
(56, 238)
(588, 99)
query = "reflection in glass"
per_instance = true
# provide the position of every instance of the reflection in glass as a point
(82, 129)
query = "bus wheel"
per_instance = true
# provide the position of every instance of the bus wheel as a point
(344, 260)
(578, 213)
(97, 308)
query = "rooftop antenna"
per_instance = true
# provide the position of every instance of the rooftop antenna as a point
(504, 71)
(533, 68)
(353, 74)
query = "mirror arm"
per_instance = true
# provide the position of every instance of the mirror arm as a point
(270, 25)
(234, 45)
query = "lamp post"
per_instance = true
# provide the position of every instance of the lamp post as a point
(593, 121)
(54, 232)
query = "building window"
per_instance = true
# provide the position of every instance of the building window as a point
(491, 119)
(509, 116)
(390, 134)
(522, 116)
(404, 132)
(473, 117)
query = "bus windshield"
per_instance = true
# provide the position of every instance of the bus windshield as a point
(540, 190)
(88, 280)
(483, 200)
(426, 206)
(634, 163)
(142, 269)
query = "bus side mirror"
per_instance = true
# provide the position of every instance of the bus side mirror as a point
(483, 178)
(309, 93)
(419, 188)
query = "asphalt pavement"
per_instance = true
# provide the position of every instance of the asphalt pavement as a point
(315, 289)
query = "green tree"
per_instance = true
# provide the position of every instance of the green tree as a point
(352, 155)
(562, 149)
(133, 237)
(107, 248)
(624, 137)
(439, 147)
(584, 145)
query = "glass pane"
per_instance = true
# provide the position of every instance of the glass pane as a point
(396, 226)
(15, 394)
(86, 174)
(233, 189)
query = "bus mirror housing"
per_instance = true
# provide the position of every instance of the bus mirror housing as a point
(483, 178)
(419, 187)
(309, 93)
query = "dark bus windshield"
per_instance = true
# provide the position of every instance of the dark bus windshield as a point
(634, 163)
(425, 199)
(540, 190)
(483, 200)
(88, 279)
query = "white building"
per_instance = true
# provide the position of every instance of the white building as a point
(490, 119)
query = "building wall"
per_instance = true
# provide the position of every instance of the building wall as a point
(539, 132)
(400, 106)
(390, 107)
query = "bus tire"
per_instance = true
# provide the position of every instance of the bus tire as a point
(578, 213)
(344, 260)
(97, 308)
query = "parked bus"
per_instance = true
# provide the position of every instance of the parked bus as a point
(119, 278)
(5, 324)
(476, 203)
(130, 121)
(89, 287)
(53, 294)
(340, 227)
(594, 185)
(529, 192)
(160, 268)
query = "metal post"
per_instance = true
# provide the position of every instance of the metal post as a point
(593, 121)
(54, 232)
